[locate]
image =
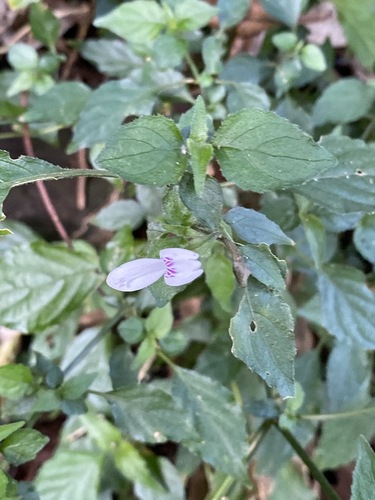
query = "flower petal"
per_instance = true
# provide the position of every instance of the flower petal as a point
(184, 272)
(136, 274)
(178, 254)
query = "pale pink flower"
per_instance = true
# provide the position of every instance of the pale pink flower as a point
(177, 265)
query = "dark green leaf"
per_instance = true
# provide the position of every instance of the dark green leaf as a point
(348, 305)
(246, 95)
(44, 25)
(27, 169)
(262, 335)
(172, 481)
(206, 208)
(286, 11)
(131, 330)
(41, 283)
(364, 237)
(52, 374)
(348, 186)
(147, 151)
(22, 446)
(140, 21)
(220, 278)
(76, 386)
(190, 15)
(363, 485)
(108, 106)
(62, 104)
(15, 380)
(254, 227)
(119, 214)
(232, 12)
(261, 151)
(113, 57)
(344, 101)
(243, 68)
(150, 415)
(264, 265)
(219, 422)
(70, 474)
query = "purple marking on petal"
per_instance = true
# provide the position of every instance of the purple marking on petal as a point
(182, 278)
(136, 274)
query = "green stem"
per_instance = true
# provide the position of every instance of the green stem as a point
(222, 490)
(193, 67)
(165, 358)
(93, 342)
(313, 469)
(368, 130)
(334, 416)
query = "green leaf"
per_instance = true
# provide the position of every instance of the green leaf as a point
(190, 15)
(75, 387)
(159, 322)
(27, 169)
(103, 432)
(243, 68)
(112, 57)
(219, 422)
(363, 485)
(213, 51)
(131, 330)
(313, 57)
(349, 186)
(119, 214)
(200, 152)
(208, 207)
(70, 474)
(8, 429)
(146, 151)
(286, 11)
(261, 151)
(246, 95)
(364, 237)
(134, 467)
(358, 22)
(42, 283)
(220, 278)
(22, 57)
(262, 335)
(44, 25)
(254, 227)
(285, 41)
(108, 106)
(344, 101)
(61, 104)
(172, 481)
(168, 51)
(337, 444)
(286, 74)
(316, 237)
(150, 415)
(348, 389)
(288, 479)
(347, 304)
(22, 446)
(264, 265)
(140, 21)
(231, 12)
(15, 380)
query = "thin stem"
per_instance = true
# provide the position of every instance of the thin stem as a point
(81, 181)
(257, 437)
(43, 193)
(166, 360)
(222, 490)
(334, 416)
(367, 132)
(93, 342)
(313, 469)
(192, 67)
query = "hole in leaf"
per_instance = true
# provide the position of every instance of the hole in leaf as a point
(253, 326)
(359, 172)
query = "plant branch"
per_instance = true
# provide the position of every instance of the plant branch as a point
(43, 193)
(313, 469)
